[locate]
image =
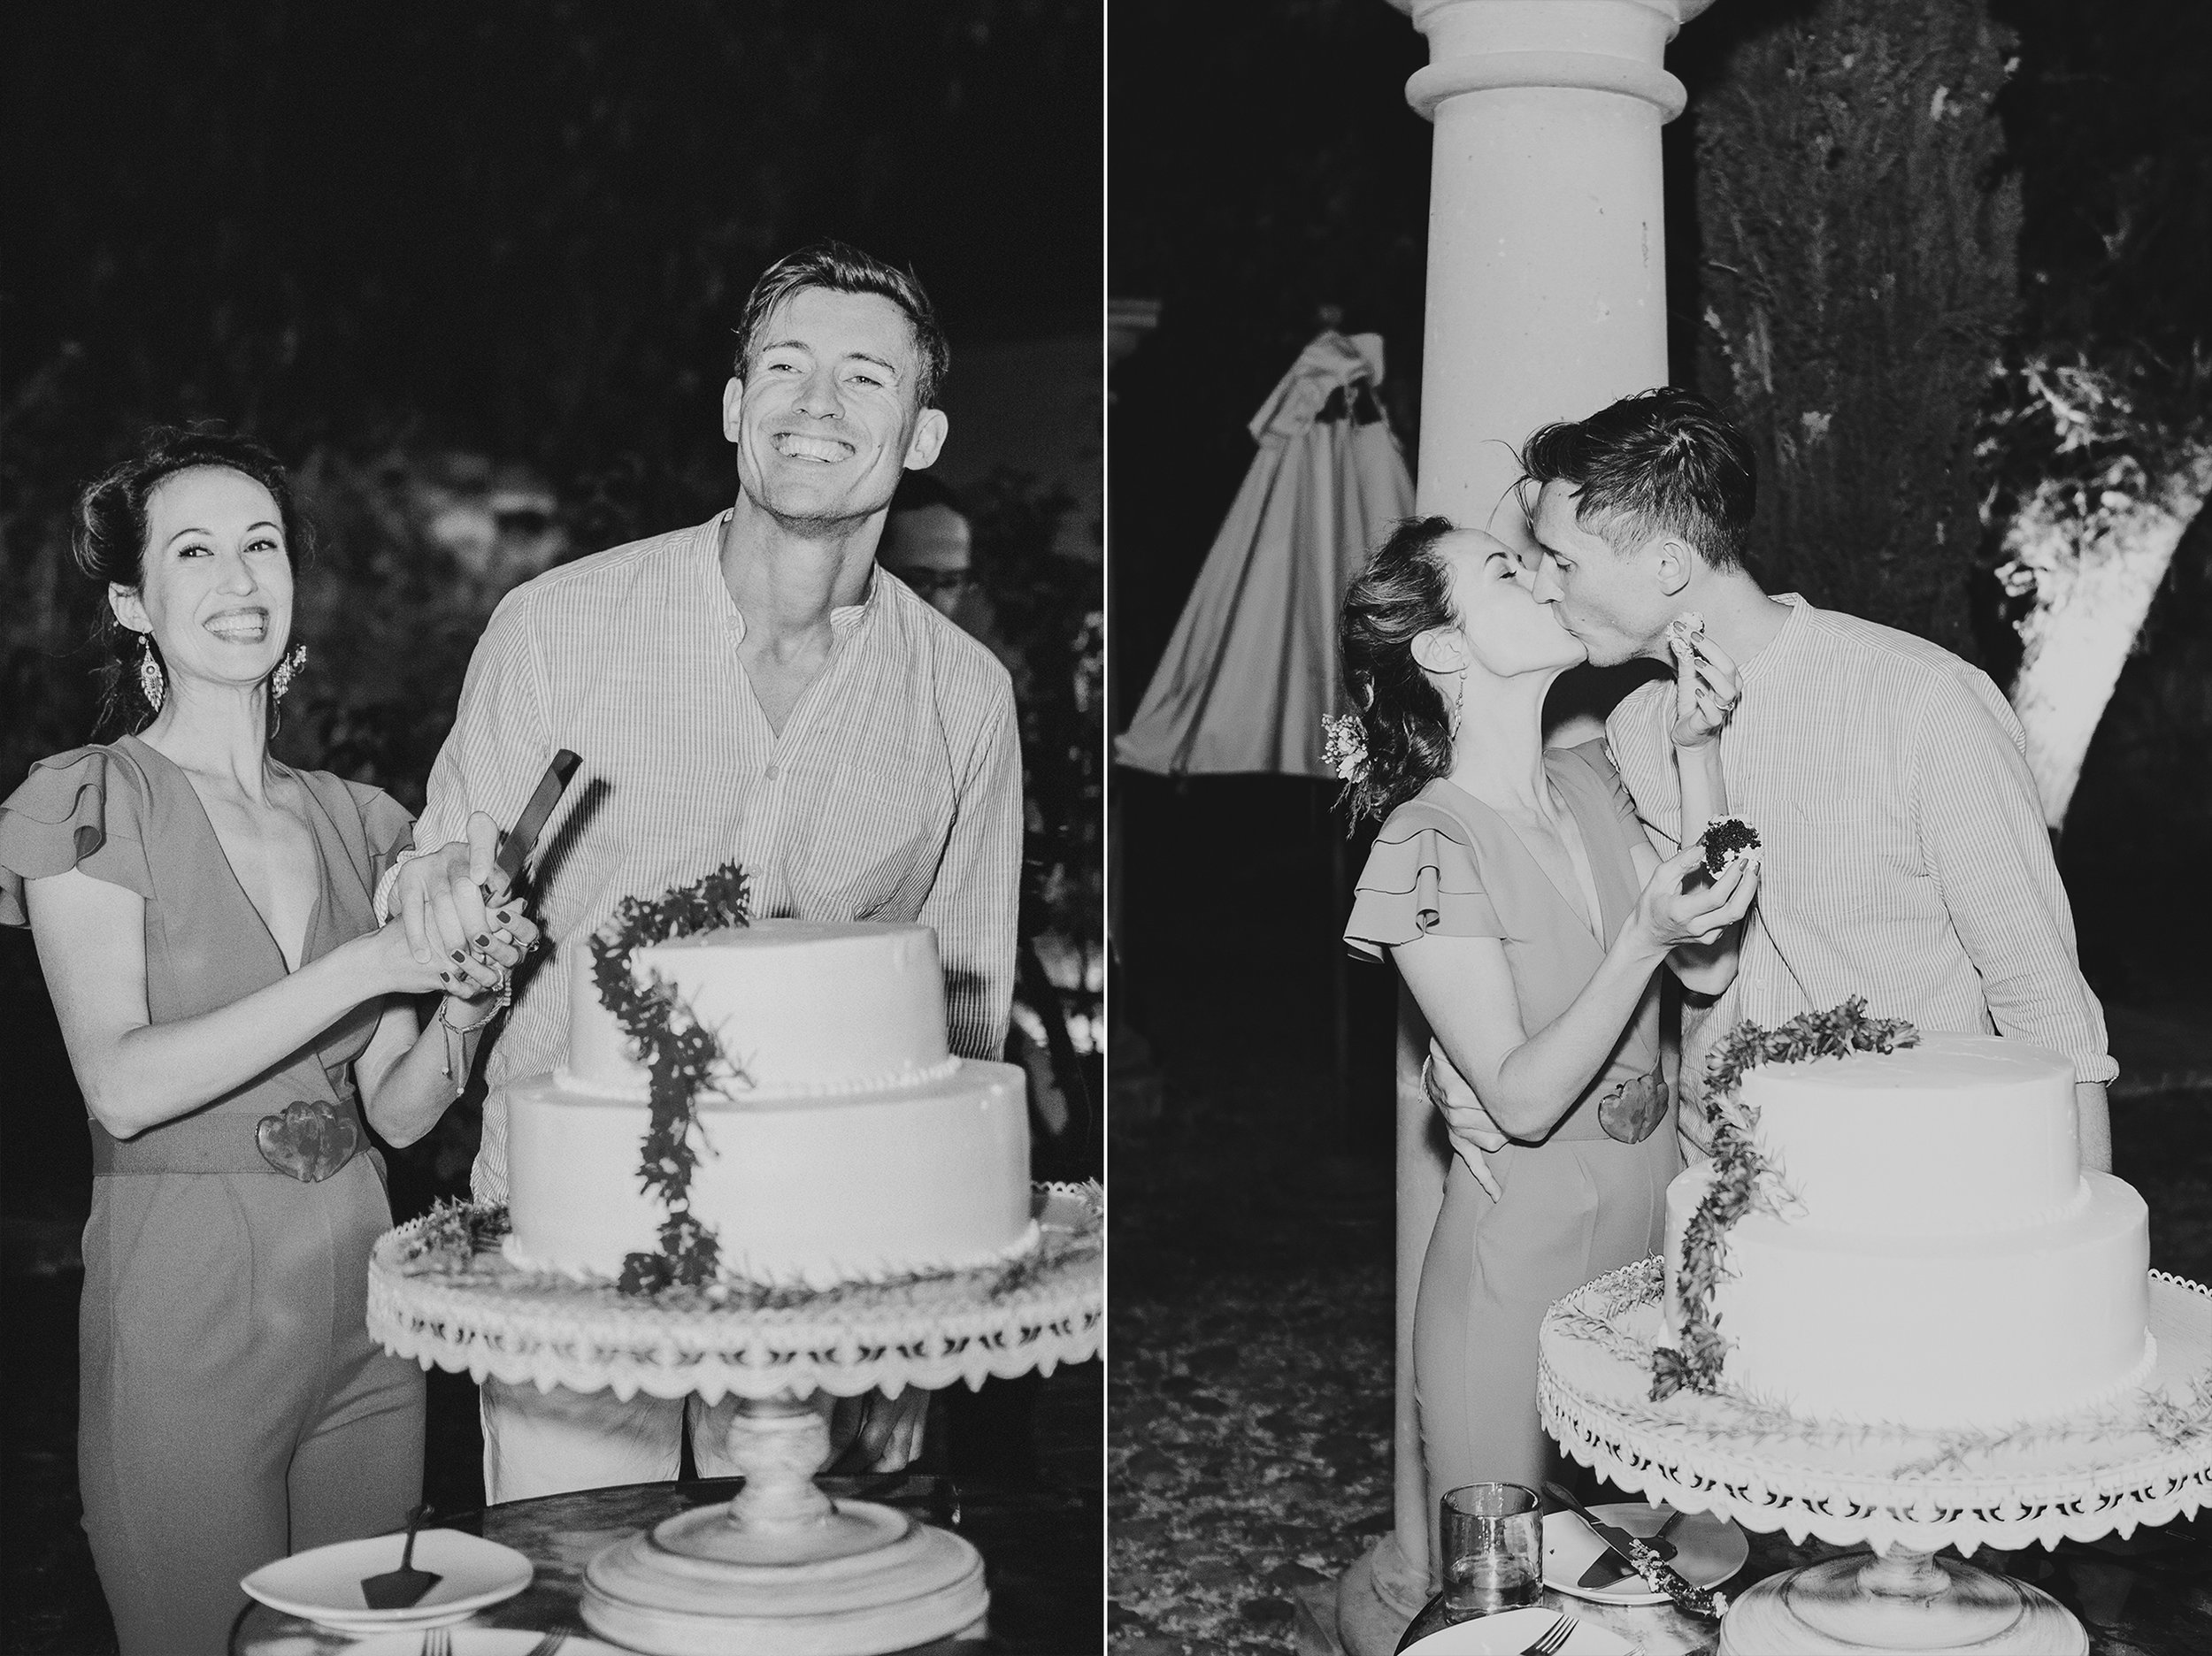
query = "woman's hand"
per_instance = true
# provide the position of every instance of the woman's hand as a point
(1705, 691)
(479, 979)
(473, 974)
(1670, 912)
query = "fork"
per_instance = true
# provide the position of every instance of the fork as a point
(547, 1645)
(438, 1641)
(1555, 1639)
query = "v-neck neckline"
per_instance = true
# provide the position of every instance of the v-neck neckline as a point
(1609, 921)
(841, 638)
(322, 863)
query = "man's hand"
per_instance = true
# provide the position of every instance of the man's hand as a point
(1471, 1129)
(438, 896)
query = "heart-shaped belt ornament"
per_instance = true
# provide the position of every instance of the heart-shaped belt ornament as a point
(308, 1140)
(1633, 1110)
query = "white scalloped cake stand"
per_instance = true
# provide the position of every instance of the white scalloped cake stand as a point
(2144, 1460)
(782, 1568)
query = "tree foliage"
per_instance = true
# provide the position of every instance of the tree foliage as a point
(2101, 423)
(519, 229)
(1858, 277)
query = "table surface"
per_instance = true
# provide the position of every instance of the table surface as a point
(1043, 1552)
(2148, 1594)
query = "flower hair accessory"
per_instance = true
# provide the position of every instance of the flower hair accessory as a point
(1344, 746)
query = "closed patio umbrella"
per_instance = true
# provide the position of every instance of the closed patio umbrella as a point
(1252, 668)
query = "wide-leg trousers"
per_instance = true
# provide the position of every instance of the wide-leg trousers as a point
(1568, 1212)
(232, 1409)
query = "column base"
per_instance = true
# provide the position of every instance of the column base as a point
(866, 1580)
(1378, 1599)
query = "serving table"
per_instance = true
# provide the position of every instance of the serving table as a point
(1041, 1548)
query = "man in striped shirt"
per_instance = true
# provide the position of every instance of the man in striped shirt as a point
(753, 689)
(1903, 853)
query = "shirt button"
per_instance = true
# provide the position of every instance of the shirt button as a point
(771, 773)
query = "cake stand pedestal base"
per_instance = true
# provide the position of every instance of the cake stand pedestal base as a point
(1901, 1602)
(783, 1571)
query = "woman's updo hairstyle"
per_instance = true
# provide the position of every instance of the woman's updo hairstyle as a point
(1403, 592)
(109, 542)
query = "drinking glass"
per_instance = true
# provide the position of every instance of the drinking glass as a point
(1494, 1548)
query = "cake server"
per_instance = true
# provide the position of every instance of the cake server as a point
(517, 842)
(1660, 1575)
(399, 1589)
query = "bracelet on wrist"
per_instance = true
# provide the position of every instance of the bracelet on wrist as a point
(458, 1056)
(382, 901)
(445, 1015)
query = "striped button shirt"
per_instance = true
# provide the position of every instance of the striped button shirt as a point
(1904, 854)
(895, 792)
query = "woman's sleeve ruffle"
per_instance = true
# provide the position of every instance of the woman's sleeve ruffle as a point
(78, 809)
(390, 830)
(1420, 880)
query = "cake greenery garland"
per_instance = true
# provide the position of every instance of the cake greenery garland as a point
(681, 1057)
(462, 1240)
(452, 1233)
(1743, 1179)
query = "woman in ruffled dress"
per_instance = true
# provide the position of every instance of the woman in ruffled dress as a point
(202, 915)
(1514, 889)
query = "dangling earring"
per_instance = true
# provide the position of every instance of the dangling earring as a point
(286, 670)
(1459, 701)
(151, 683)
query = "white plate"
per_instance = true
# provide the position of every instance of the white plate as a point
(485, 1642)
(324, 1585)
(1508, 1633)
(1707, 1551)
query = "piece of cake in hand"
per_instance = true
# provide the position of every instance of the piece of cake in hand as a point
(1684, 628)
(1725, 840)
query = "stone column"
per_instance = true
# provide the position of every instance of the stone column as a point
(1547, 300)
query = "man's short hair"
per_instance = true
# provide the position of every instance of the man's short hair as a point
(1662, 462)
(843, 269)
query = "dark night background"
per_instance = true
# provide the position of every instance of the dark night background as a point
(472, 272)
(1265, 165)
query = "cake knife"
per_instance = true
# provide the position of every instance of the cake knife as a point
(517, 842)
(1610, 1567)
(1660, 1575)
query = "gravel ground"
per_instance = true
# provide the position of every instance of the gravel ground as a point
(1249, 1395)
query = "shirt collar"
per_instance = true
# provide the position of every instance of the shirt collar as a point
(843, 618)
(1782, 640)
